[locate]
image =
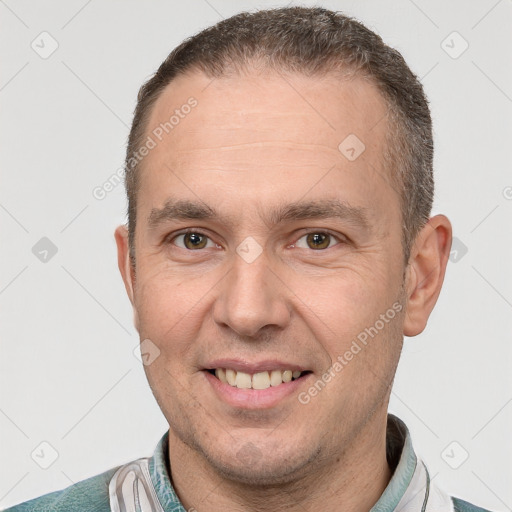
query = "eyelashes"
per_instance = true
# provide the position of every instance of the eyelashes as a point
(195, 240)
(318, 243)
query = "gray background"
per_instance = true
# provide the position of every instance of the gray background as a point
(68, 372)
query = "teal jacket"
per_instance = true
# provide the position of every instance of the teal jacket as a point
(144, 485)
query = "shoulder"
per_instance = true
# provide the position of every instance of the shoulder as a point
(90, 494)
(463, 506)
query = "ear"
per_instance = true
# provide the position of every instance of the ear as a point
(425, 272)
(126, 268)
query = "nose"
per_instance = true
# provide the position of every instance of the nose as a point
(252, 297)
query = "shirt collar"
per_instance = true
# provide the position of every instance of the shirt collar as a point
(402, 460)
(159, 470)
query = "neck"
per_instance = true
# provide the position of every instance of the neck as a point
(351, 480)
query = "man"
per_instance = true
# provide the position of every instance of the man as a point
(279, 246)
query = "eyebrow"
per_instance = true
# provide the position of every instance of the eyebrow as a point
(301, 210)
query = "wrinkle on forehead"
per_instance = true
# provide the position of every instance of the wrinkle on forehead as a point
(271, 99)
(276, 154)
(247, 111)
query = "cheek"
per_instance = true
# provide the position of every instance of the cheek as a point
(345, 303)
(169, 310)
(363, 283)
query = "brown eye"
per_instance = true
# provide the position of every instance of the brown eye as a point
(191, 240)
(318, 240)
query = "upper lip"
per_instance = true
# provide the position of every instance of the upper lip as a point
(240, 365)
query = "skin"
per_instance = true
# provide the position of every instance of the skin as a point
(252, 143)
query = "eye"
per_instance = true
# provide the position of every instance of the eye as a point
(316, 240)
(192, 240)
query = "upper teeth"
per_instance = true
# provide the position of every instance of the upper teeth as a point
(261, 380)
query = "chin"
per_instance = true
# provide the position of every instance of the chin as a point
(262, 466)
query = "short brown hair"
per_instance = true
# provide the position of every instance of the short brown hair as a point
(313, 42)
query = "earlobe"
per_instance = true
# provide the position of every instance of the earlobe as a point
(125, 266)
(425, 276)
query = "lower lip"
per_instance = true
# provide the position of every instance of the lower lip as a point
(255, 398)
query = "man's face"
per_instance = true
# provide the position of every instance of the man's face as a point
(275, 280)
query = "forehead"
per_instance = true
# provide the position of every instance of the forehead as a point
(318, 110)
(266, 134)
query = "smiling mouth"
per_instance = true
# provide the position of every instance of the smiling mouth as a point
(260, 380)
